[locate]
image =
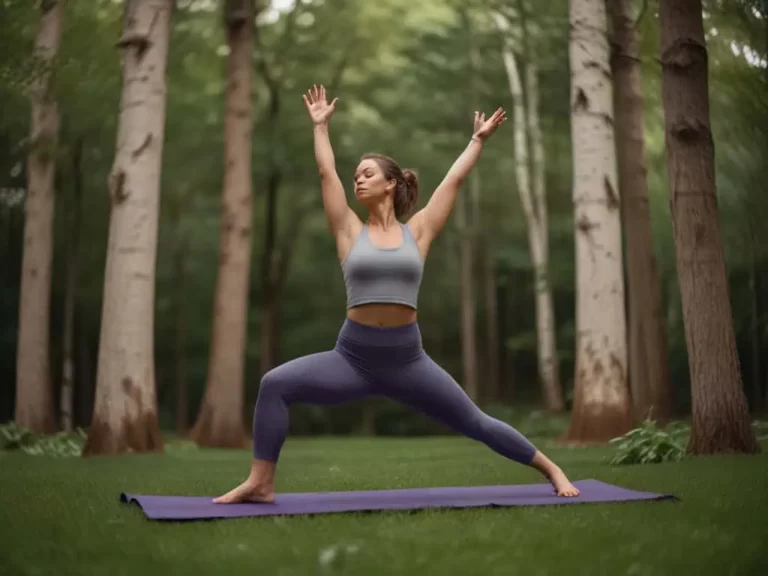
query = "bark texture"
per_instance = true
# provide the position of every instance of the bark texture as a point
(220, 420)
(70, 297)
(648, 349)
(721, 421)
(601, 409)
(125, 404)
(34, 405)
(529, 174)
(468, 298)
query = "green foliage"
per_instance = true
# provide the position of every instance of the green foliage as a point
(61, 444)
(648, 444)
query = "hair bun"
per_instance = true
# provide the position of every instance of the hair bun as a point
(408, 200)
(411, 179)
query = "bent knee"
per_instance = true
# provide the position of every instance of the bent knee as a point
(271, 383)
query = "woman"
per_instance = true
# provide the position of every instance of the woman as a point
(378, 350)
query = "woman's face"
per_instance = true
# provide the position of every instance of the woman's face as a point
(370, 183)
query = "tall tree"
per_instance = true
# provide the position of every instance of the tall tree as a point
(125, 407)
(70, 294)
(220, 419)
(529, 174)
(279, 246)
(34, 405)
(465, 221)
(601, 407)
(720, 414)
(648, 366)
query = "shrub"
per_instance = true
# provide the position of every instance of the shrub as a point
(61, 444)
(648, 444)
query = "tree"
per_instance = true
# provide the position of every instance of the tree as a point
(466, 220)
(529, 173)
(70, 295)
(279, 247)
(220, 419)
(34, 406)
(720, 414)
(601, 407)
(648, 367)
(125, 408)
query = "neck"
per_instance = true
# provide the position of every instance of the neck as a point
(382, 216)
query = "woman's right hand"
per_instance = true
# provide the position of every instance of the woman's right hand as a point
(317, 105)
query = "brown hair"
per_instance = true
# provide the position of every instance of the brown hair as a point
(407, 183)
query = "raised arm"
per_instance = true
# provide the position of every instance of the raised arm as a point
(428, 222)
(337, 211)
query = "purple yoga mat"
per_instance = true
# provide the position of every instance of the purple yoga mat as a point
(201, 507)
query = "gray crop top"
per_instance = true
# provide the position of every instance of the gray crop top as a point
(383, 275)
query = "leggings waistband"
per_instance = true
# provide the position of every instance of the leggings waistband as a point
(407, 335)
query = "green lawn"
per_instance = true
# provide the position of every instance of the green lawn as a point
(63, 516)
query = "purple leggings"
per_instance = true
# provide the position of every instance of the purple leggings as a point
(372, 361)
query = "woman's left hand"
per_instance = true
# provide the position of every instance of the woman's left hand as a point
(484, 128)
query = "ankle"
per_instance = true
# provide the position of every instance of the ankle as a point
(544, 465)
(262, 473)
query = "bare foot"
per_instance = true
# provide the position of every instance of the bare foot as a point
(554, 474)
(248, 491)
(563, 486)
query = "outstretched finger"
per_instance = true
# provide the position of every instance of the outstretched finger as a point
(322, 92)
(307, 103)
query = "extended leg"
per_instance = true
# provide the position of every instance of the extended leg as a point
(322, 378)
(427, 387)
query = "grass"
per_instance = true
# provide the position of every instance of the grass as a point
(62, 515)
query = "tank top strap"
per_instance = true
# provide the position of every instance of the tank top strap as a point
(407, 236)
(364, 235)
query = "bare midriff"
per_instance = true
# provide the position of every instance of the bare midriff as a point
(382, 315)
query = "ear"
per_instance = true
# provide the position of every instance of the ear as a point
(392, 185)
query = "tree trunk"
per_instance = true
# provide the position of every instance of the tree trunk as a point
(70, 297)
(491, 391)
(34, 404)
(84, 370)
(601, 409)
(270, 318)
(180, 266)
(368, 417)
(468, 300)
(125, 407)
(220, 421)
(720, 413)
(269, 334)
(526, 124)
(756, 319)
(508, 391)
(549, 363)
(648, 368)
(465, 220)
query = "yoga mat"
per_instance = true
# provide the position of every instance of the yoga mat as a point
(201, 507)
